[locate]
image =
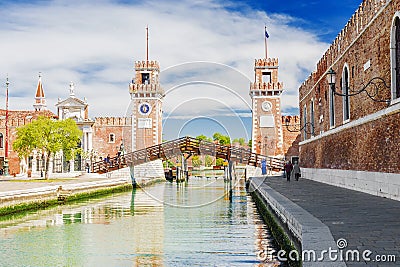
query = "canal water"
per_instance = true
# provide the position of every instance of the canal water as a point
(163, 225)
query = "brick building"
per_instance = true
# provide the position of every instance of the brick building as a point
(351, 136)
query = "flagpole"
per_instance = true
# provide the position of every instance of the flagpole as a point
(147, 45)
(265, 40)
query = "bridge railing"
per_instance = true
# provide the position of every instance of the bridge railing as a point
(190, 146)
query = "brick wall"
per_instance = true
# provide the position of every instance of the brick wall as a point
(16, 119)
(291, 137)
(363, 46)
(103, 127)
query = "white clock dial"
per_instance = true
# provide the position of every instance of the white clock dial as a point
(144, 108)
(266, 106)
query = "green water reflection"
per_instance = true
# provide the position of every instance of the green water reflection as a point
(163, 225)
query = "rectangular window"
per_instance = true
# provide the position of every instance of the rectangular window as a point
(145, 78)
(267, 77)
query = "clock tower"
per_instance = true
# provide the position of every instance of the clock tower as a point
(146, 103)
(147, 97)
(265, 92)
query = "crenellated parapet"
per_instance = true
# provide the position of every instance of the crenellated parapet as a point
(146, 65)
(367, 10)
(265, 63)
(291, 119)
(17, 118)
(266, 86)
(113, 121)
(308, 83)
(145, 88)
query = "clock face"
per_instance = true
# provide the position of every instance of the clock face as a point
(144, 108)
(266, 106)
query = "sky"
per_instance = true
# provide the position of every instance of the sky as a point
(206, 50)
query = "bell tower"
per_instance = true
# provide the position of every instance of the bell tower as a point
(40, 99)
(265, 92)
(147, 97)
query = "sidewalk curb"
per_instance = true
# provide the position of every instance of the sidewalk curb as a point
(312, 234)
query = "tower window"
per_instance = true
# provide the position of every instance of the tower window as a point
(267, 78)
(145, 78)
(1, 141)
(111, 138)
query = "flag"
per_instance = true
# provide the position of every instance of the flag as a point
(266, 33)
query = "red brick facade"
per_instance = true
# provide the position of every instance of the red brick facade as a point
(369, 140)
(16, 119)
(104, 127)
(291, 136)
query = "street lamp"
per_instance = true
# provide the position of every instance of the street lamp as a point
(376, 83)
(298, 128)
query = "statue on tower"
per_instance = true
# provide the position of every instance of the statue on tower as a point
(71, 89)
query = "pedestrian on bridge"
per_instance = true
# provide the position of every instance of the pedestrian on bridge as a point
(288, 170)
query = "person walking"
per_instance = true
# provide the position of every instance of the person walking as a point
(288, 170)
(296, 171)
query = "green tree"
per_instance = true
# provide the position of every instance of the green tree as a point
(222, 139)
(242, 141)
(208, 160)
(250, 143)
(219, 162)
(196, 161)
(202, 137)
(48, 136)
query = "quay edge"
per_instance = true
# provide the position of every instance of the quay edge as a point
(293, 227)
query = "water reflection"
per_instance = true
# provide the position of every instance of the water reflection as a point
(164, 225)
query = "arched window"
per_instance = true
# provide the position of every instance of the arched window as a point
(395, 56)
(312, 117)
(1, 141)
(331, 107)
(345, 91)
(305, 122)
(111, 138)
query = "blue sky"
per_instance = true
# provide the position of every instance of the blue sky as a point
(95, 43)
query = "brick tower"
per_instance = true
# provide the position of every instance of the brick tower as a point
(265, 92)
(147, 97)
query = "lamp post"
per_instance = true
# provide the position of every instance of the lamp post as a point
(376, 83)
(331, 77)
(5, 165)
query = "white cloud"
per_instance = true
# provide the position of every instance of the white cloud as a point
(95, 46)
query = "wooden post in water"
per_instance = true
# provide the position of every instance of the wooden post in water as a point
(132, 173)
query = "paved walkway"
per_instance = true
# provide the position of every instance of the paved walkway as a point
(365, 221)
(20, 183)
